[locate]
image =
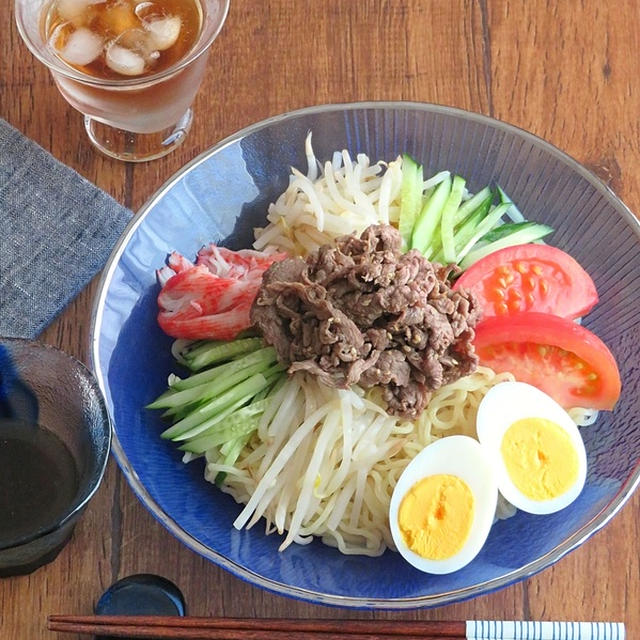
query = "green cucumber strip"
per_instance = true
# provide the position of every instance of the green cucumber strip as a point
(468, 207)
(211, 389)
(231, 449)
(252, 385)
(210, 439)
(213, 352)
(261, 395)
(211, 434)
(465, 231)
(490, 220)
(160, 399)
(448, 216)
(273, 372)
(410, 196)
(231, 456)
(233, 452)
(209, 424)
(276, 382)
(256, 407)
(177, 413)
(217, 382)
(276, 379)
(502, 195)
(519, 237)
(509, 228)
(429, 217)
(265, 354)
(199, 418)
(514, 213)
(232, 426)
(181, 348)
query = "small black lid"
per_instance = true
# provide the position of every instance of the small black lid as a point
(143, 594)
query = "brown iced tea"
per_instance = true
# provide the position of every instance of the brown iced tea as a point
(132, 68)
(119, 39)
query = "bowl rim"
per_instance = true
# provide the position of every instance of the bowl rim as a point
(482, 588)
(83, 498)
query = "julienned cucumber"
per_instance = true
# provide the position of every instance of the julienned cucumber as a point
(464, 230)
(472, 204)
(247, 388)
(528, 232)
(216, 410)
(429, 218)
(210, 352)
(235, 426)
(447, 229)
(447, 221)
(484, 226)
(411, 196)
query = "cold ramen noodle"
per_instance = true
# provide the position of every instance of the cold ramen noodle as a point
(394, 364)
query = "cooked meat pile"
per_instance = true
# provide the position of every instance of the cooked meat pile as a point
(363, 312)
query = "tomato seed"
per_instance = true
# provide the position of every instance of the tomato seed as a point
(544, 286)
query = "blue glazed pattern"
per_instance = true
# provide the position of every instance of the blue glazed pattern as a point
(220, 197)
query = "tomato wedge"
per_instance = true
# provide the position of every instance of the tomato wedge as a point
(530, 277)
(558, 356)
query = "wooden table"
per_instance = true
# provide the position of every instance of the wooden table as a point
(564, 70)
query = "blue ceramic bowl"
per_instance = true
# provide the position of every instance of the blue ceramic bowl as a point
(219, 197)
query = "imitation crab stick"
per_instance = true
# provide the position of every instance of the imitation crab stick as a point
(211, 298)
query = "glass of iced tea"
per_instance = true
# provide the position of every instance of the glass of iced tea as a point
(131, 67)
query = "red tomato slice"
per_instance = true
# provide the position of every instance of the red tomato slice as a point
(530, 277)
(558, 356)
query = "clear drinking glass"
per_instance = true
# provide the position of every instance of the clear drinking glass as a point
(44, 392)
(133, 118)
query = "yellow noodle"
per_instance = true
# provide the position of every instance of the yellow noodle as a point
(356, 443)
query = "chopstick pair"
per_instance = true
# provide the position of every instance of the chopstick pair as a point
(200, 628)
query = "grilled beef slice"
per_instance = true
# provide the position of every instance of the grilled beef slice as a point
(364, 312)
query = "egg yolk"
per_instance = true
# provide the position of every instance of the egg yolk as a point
(435, 516)
(540, 458)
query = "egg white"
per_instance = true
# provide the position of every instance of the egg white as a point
(503, 405)
(458, 456)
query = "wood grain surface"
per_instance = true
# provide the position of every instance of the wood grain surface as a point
(564, 70)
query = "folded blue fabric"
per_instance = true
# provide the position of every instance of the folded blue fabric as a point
(56, 232)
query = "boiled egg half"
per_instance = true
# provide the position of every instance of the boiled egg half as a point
(443, 505)
(537, 450)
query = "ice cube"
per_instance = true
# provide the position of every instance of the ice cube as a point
(164, 31)
(163, 27)
(71, 9)
(120, 17)
(149, 11)
(81, 46)
(124, 61)
(131, 51)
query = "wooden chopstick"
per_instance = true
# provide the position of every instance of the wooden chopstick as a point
(194, 628)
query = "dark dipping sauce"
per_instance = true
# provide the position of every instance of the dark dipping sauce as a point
(38, 480)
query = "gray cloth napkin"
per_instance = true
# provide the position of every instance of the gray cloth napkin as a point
(56, 232)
